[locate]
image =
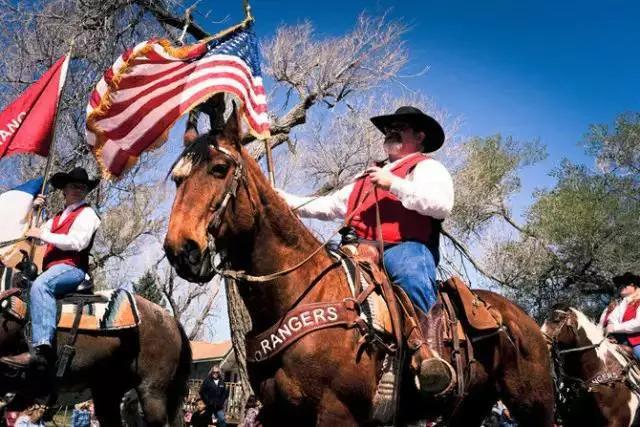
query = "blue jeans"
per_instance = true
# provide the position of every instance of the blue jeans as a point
(412, 266)
(57, 281)
(220, 417)
(636, 351)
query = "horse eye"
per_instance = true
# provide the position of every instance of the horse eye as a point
(219, 170)
(177, 180)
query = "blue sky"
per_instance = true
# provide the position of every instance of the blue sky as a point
(533, 70)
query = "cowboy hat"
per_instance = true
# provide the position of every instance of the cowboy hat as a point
(419, 121)
(627, 279)
(77, 174)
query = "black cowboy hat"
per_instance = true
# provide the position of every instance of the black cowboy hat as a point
(627, 279)
(77, 174)
(419, 121)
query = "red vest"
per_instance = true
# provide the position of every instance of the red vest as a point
(398, 223)
(629, 314)
(54, 255)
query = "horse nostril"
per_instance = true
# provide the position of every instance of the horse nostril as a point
(192, 252)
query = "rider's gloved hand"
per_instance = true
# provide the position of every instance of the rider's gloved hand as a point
(34, 232)
(39, 201)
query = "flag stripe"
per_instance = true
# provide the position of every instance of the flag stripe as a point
(165, 115)
(136, 104)
(152, 85)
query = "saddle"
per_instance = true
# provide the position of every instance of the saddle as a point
(81, 310)
(458, 318)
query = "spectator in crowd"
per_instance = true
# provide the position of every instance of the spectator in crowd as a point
(32, 417)
(92, 411)
(251, 411)
(10, 418)
(81, 416)
(214, 393)
(507, 420)
(201, 417)
(130, 410)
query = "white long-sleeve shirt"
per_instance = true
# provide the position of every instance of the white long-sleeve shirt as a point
(80, 233)
(615, 318)
(427, 189)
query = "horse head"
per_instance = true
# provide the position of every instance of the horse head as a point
(570, 332)
(213, 202)
(561, 326)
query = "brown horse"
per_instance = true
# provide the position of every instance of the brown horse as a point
(154, 359)
(592, 382)
(224, 203)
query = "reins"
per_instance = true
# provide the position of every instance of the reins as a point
(240, 275)
(565, 383)
(12, 242)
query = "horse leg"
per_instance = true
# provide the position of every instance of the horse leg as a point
(473, 408)
(334, 412)
(154, 406)
(529, 397)
(107, 406)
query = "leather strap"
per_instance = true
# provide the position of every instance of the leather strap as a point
(68, 350)
(456, 354)
(299, 322)
(387, 290)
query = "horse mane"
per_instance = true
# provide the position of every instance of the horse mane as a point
(288, 225)
(595, 336)
(192, 155)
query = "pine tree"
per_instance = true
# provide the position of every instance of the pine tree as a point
(147, 287)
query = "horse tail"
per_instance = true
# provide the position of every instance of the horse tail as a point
(179, 389)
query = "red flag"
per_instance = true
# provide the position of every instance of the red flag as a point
(26, 126)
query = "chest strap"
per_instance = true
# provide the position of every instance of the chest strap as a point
(301, 321)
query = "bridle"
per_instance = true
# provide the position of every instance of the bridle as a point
(230, 192)
(567, 386)
(218, 210)
(552, 339)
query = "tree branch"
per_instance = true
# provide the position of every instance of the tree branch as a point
(467, 254)
(206, 312)
(166, 17)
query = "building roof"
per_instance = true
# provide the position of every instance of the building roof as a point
(204, 351)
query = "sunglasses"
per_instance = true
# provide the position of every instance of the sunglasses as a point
(396, 127)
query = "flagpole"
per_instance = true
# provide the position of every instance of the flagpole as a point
(47, 169)
(267, 145)
(51, 156)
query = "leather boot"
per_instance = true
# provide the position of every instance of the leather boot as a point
(40, 358)
(434, 375)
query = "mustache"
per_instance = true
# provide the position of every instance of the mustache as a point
(392, 136)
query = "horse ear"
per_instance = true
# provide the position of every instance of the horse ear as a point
(233, 127)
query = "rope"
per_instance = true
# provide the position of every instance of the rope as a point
(12, 242)
(242, 276)
(583, 348)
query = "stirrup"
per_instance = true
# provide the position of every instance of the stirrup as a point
(433, 383)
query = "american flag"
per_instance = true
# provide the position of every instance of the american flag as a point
(152, 85)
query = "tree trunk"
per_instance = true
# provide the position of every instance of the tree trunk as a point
(240, 324)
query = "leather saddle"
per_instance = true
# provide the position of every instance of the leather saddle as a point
(448, 329)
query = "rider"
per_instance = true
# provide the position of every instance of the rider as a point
(415, 193)
(623, 322)
(69, 237)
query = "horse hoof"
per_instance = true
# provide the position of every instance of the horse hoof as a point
(436, 377)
